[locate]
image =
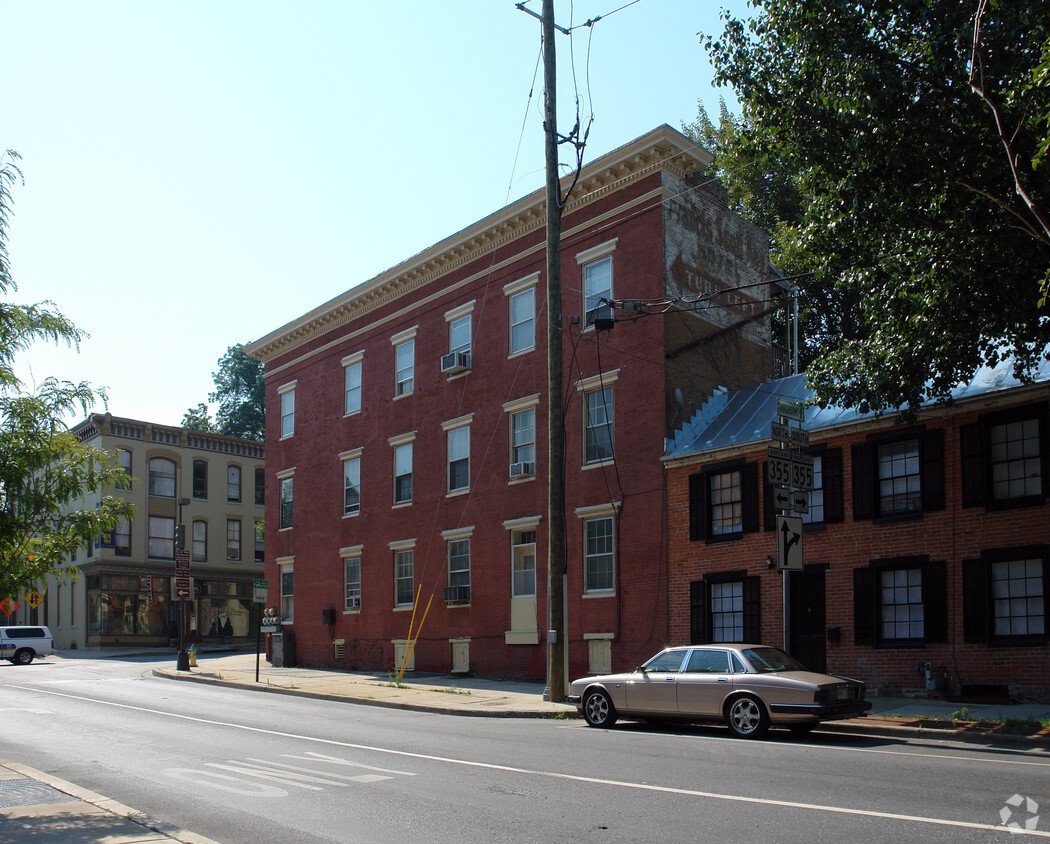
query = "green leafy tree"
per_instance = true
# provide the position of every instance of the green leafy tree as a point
(909, 205)
(199, 419)
(240, 394)
(51, 486)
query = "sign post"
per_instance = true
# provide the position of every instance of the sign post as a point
(790, 474)
(259, 589)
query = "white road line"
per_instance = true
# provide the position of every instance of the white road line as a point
(686, 792)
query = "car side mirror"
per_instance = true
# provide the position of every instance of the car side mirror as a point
(642, 669)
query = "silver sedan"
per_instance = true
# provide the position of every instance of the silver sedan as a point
(749, 687)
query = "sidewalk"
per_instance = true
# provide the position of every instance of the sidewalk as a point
(36, 808)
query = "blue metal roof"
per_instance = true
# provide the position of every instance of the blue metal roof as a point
(744, 416)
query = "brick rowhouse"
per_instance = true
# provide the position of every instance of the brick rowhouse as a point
(407, 418)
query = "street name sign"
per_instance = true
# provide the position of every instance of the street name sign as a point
(791, 410)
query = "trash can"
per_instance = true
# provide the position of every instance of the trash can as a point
(283, 650)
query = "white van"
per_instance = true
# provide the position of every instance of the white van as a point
(21, 644)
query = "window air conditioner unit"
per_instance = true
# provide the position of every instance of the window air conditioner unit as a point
(522, 470)
(457, 594)
(455, 362)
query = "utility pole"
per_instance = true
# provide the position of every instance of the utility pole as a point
(557, 632)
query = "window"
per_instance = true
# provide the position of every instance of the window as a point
(233, 539)
(598, 554)
(352, 484)
(1004, 596)
(898, 472)
(459, 335)
(124, 462)
(458, 439)
(352, 384)
(404, 361)
(287, 593)
(161, 538)
(459, 562)
(200, 479)
(403, 577)
(162, 477)
(122, 538)
(260, 487)
(599, 430)
(727, 502)
(260, 531)
(523, 564)
(1004, 460)
(523, 321)
(901, 604)
(402, 471)
(900, 601)
(285, 480)
(233, 484)
(352, 579)
(725, 607)
(898, 476)
(523, 437)
(597, 396)
(200, 541)
(727, 611)
(597, 286)
(287, 394)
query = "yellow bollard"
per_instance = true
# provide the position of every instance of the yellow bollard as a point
(193, 656)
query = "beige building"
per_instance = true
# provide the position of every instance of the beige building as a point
(126, 594)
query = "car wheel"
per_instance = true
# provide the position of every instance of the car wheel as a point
(598, 710)
(802, 729)
(746, 717)
(23, 657)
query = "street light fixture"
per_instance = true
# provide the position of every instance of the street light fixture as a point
(183, 663)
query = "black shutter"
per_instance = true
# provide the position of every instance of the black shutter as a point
(831, 479)
(863, 607)
(935, 601)
(749, 492)
(769, 511)
(971, 453)
(932, 470)
(697, 513)
(975, 601)
(753, 609)
(863, 482)
(697, 612)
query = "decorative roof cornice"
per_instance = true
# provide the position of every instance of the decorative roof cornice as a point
(663, 148)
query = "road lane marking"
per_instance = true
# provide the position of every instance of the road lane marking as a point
(490, 766)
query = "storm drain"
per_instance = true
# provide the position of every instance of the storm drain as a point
(27, 792)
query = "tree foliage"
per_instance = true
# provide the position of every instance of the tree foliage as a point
(50, 486)
(908, 203)
(241, 396)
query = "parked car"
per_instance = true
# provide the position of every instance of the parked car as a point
(749, 687)
(21, 645)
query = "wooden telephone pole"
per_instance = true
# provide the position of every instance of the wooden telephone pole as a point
(557, 632)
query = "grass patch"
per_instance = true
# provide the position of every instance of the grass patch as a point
(452, 690)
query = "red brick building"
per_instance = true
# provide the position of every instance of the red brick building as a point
(926, 550)
(407, 418)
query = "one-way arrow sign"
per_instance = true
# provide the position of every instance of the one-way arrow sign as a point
(789, 543)
(781, 498)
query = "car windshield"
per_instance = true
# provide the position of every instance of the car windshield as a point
(765, 660)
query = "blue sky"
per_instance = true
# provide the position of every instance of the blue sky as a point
(197, 174)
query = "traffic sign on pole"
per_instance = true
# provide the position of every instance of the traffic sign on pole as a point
(789, 543)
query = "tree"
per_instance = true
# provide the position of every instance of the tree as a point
(908, 203)
(241, 396)
(50, 486)
(199, 419)
(50, 482)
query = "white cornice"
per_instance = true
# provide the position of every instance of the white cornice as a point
(663, 148)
